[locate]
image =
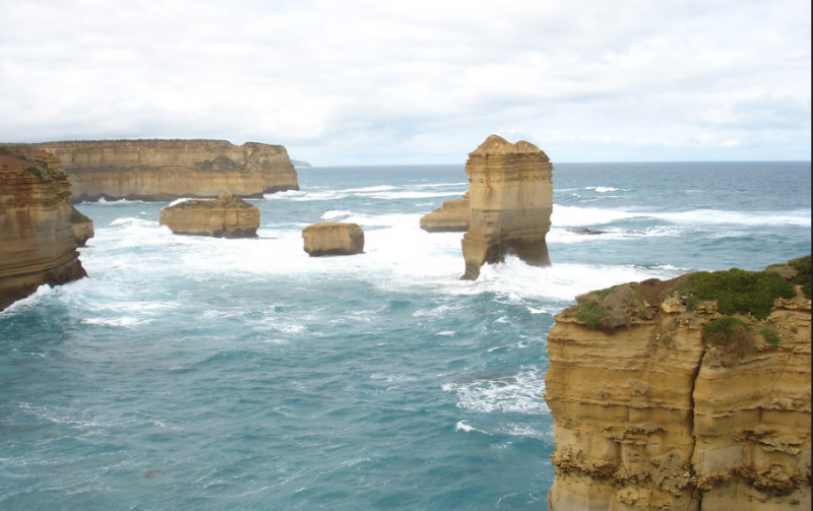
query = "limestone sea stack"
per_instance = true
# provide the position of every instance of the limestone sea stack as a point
(36, 240)
(159, 170)
(333, 238)
(452, 216)
(688, 395)
(82, 227)
(225, 217)
(511, 196)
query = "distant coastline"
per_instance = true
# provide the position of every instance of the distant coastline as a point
(298, 163)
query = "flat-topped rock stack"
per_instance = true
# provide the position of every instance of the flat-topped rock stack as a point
(333, 238)
(452, 216)
(225, 217)
(37, 243)
(159, 170)
(511, 200)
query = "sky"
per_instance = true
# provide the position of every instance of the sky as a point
(357, 82)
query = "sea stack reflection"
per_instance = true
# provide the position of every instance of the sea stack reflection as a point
(511, 197)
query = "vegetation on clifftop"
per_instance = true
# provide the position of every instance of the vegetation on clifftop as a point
(740, 291)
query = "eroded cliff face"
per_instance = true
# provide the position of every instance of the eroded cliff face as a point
(36, 239)
(170, 169)
(511, 198)
(225, 217)
(662, 402)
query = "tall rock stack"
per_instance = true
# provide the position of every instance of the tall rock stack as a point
(663, 398)
(511, 197)
(158, 170)
(37, 243)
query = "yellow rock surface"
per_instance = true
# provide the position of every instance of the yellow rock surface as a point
(171, 169)
(511, 197)
(36, 239)
(226, 217)
(329, 238)
(82, 227)
(649, 416)
(452, 216)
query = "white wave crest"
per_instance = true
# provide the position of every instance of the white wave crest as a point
(520, 393)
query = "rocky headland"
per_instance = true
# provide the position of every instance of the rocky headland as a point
(511, 201)
(691, 394)
(37, 243)
(159, 170)
(333, 239)
(225, 217)
(82, 227)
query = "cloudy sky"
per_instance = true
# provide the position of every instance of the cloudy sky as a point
(343, 82)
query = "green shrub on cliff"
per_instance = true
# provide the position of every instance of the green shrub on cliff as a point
(802, 265)
(722, 331)
(771, 337)
(590, 313)
(77, 217)
(740, 291)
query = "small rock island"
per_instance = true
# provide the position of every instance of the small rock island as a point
(333, 239)
(225, 217)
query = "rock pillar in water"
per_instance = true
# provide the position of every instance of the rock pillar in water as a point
(226, 217)
(511, 200)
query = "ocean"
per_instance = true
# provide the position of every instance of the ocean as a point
(211, 374)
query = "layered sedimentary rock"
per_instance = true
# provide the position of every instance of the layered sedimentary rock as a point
(333, 238)
(661, 402)
(82, 227)
(36, 240)
(226, 217)
(170, 169)
(511, 197)
(452, 216)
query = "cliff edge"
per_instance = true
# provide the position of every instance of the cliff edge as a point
(511, 201)
(158, 170)
(690, 394)
(37, 243)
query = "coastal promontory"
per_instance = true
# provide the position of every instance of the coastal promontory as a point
(37, 243)
(225, 217)
(511, 201)
(157, 170)
(691, 394)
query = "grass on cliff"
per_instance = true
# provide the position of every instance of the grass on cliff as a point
(802, 265)
(740, 291)
(77, 217)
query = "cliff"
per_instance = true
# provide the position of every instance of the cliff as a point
(511, 197)
(157, 170)
(691, 394)
(36, 239)
(226, 217)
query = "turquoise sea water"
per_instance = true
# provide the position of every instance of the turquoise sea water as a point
(210, 374)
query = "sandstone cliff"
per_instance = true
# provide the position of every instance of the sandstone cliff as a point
(82, 227)
(691, 394)
(511, 196)
(333, 238)
(170, 169)
(226, 217)
(36, 240)
(452, 216)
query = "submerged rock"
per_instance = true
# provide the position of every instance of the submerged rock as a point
(226, 217)
(511, 195)
(82, 227)
(675, 395)
(37, 244)
(329, 238)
